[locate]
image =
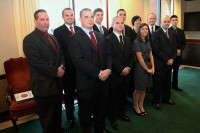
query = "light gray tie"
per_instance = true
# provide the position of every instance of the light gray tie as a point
(101, 30)
(166, 33)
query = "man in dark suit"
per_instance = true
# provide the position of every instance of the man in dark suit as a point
(122, 62)
(151, 19)
(92, 59)
(164, 51)
(98, 18)
(46, 64)
(63, 33)
(181, 43)
(127, 31)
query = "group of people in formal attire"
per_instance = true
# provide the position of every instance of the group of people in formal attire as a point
(100, 67)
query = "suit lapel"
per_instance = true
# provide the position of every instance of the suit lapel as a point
(47, 43)
(88, 41)
(116, 42)
(126, 47)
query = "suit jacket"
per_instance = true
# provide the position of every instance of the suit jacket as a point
(43, 60)
(163, 48)
(87, 59)
(106, 33)
(128, 32)
(63, 34)
(156, 27)
(180, 36)
(122, 56)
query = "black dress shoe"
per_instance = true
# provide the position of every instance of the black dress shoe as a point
(170, 102)
(67, 131)
(114, 125)
(156, 106)
(64, 131)
(70, 123)
(177, 88)
(125, 118)
(103, 131)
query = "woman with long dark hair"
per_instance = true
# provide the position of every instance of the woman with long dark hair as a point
(143, 69)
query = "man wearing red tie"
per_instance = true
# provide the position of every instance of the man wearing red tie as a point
(92, 59)
(63, 33)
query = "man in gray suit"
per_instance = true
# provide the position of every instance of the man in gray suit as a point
(46, 65)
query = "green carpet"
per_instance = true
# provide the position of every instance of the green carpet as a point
(184, 117)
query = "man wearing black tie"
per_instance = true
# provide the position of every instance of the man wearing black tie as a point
(181, 42)
(63, 33)
(152, 23)
(122, 63)
(164, 51)
(98, 18)
(92, 59)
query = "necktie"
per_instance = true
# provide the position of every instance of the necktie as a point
(166, 33)
(51, 41)
(152, 30)
(93, 39)
(120, 39)
(71, 30)
(101, 30)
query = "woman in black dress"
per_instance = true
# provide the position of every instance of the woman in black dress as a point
(143, 69)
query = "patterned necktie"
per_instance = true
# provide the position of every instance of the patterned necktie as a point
(101, 30)
(71, 30)
(52, 42)
(93, 39)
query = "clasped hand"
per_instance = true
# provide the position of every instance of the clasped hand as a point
(61, 71)
(104, 74)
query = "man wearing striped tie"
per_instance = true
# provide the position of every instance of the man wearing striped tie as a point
(98, 18)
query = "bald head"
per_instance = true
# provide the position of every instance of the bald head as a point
(151, 19)
(118, 24)
(165, 22)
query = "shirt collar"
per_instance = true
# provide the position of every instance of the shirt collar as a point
(117, 34)
(68, 26)
(45, 34)
(163, 29)
(86, 31)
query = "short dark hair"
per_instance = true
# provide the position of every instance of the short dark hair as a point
(84, 9)
(65, 9)
(139, 37)
(97, 10)
(37, 12)
(120, 10)
(173, 16)
(134, 18)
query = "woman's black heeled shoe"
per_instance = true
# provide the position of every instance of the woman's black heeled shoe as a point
(144, 113)
(139, 114)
